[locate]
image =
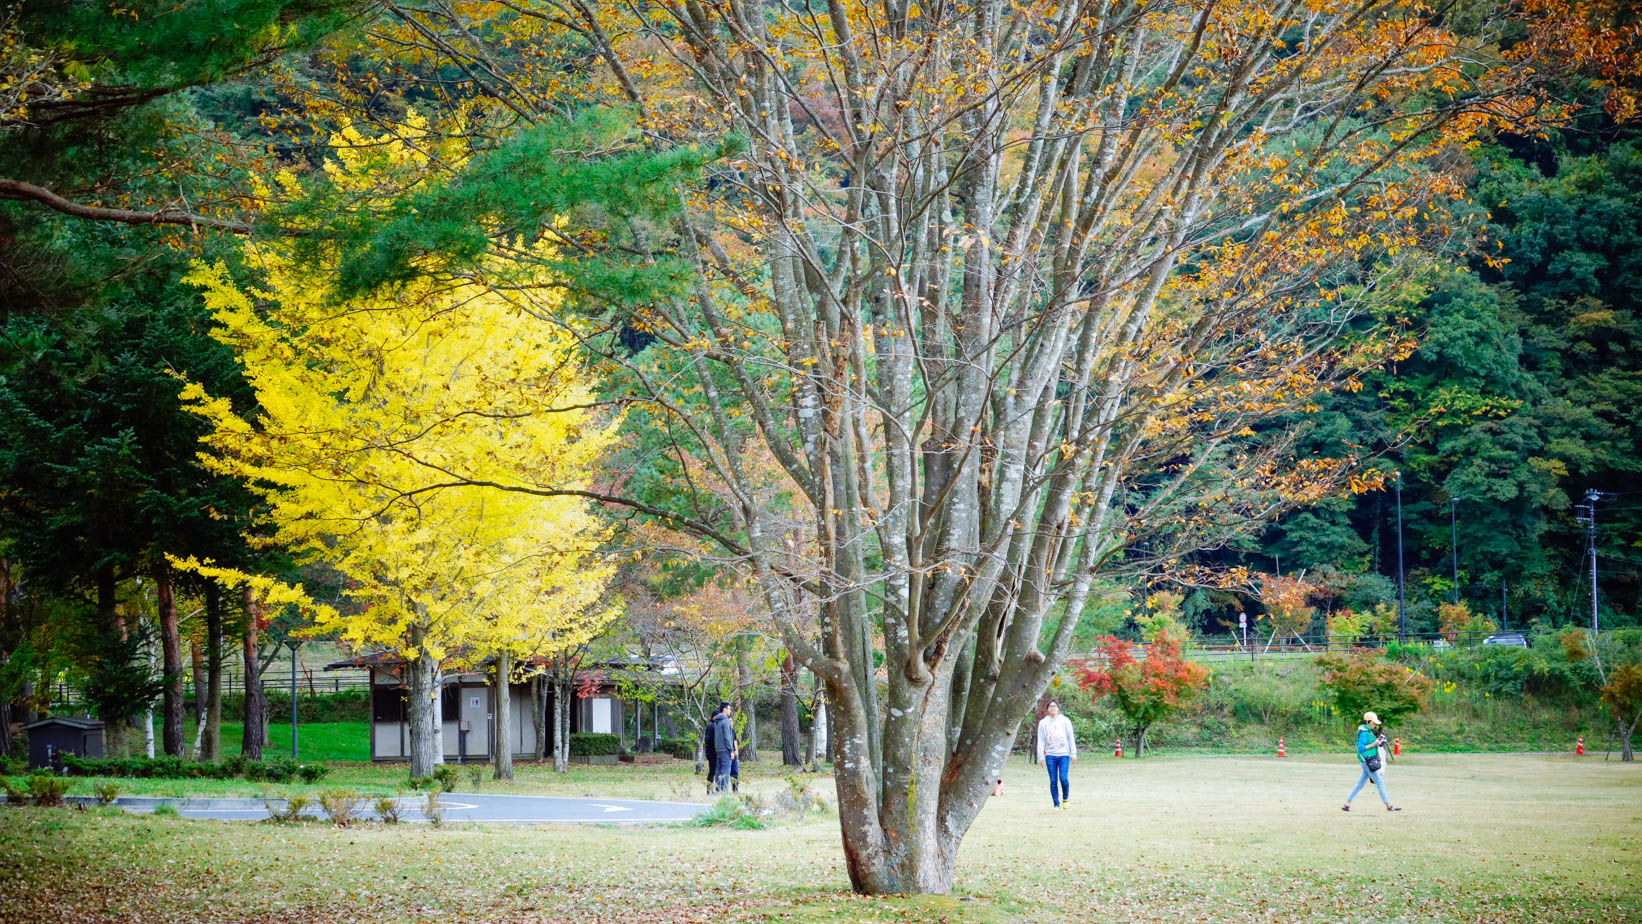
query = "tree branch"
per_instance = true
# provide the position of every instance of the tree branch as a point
(19, 191)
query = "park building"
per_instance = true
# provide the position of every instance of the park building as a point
(467, 710)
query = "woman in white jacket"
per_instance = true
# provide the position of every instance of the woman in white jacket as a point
(1057, 748)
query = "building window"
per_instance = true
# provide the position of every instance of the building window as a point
(388, 704)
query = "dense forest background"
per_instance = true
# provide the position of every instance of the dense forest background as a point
(1520, 398)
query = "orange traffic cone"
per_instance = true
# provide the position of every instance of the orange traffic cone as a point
(1280, 751)
(1117, 748)
(1397, 746)
(1579, 747)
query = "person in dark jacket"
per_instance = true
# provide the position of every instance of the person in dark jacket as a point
(711, 752)
(721, 735)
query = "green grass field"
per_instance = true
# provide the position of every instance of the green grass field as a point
(1491, 838)
(316, 741)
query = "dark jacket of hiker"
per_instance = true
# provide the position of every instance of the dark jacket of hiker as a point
(721, 735)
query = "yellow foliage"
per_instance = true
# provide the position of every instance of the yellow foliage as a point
(419, 441)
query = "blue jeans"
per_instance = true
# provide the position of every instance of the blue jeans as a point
(1368, 775)
(721, 771)
(1057, 765)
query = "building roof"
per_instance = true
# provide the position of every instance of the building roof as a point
(387, 658)
(72, 721)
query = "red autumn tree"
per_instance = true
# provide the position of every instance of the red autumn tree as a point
(1146, 689)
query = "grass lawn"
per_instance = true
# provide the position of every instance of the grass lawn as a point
(1493, 838)
(316, 741)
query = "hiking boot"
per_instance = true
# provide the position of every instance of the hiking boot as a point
(1393, 808)
(1346, 807)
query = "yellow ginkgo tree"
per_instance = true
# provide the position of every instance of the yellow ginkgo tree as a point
(388, 424)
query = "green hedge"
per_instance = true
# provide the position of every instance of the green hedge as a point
(682, 748)
(274, 770)
(589, 744)
(149, 768)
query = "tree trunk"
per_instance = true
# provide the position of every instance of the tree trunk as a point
(171, 650)
(791, 755)
(748, 749)
(538, 713)
(561, 725)
(426, 749)
(211, 744)
(815, 744)
(196, 660)
(902, 835)
(1140, 740)
(25, 715)
(701, 752)
(251, 716)
(501, 743)
(108, 620)
(1625, 754)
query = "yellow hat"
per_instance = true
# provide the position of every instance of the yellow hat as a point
(1371, 718)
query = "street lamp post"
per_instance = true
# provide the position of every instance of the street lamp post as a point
(1454, 544)
(1402, 618)
(294, 646)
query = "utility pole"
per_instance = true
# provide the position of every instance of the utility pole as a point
(1402, 619)
(1586, 514)
(1454, 545)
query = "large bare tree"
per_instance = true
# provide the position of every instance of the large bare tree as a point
(1001, 296)
(1012, 292)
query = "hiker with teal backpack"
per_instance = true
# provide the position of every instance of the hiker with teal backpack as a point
(1369, 742)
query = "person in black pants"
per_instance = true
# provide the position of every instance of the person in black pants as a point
(721, 736)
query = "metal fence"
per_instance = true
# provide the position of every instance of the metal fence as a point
(308, 683)
(1209, 649)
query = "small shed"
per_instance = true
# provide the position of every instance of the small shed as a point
(63, 734)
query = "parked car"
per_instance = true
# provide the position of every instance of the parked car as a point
(1513, 639)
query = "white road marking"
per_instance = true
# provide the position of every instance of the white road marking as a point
(611, 808)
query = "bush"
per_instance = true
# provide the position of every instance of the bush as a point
(682, 748)
(729, 812)
(1270, 698)
(1363, 681)
(106, 792)
(15, 795)
(45, 789)
(312, 773)
(290, 812)
(387, 809)
(444, 778)
(591, 744)
(434, 810)
(341, 806)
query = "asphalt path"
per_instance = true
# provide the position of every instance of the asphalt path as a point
(480, 808)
